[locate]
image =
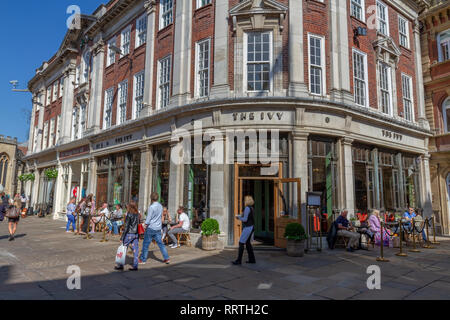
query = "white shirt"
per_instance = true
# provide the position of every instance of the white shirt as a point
(105, 212)
(186, 223)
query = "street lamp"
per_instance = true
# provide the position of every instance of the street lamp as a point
(15, 83)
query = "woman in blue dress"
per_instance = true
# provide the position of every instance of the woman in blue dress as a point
(248, 221)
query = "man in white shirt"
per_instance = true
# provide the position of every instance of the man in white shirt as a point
(100, 218)
(183, 226)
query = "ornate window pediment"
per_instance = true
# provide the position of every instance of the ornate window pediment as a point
(387, 51)
(256, 12)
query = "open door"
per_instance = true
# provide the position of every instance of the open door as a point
(287, 207)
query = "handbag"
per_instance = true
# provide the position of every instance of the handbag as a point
(121, 255)
(12, 213)
(141, 230)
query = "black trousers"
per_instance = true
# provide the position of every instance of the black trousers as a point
(248, 245)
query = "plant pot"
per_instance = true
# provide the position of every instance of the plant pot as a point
(295, 248)
(209, 243)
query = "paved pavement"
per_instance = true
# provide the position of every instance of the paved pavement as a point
(34, 266)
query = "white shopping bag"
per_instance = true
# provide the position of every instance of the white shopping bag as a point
(121, 255)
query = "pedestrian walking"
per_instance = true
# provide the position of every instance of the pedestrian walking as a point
(71, 215)
(130, 235)
(153, 226)
(3, 205)
(81, 210)
(13, 215)
(248, 221)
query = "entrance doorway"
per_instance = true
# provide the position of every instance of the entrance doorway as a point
(277, 203)
(262, 192)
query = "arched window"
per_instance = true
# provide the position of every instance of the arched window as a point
(446, 115)
(4, 161)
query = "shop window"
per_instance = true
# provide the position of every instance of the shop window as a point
(364, 179)
(323, 173)
(119, 178)
(161, 168)
(196, 189)
(410, 181)
(388, 180)
(196, 195)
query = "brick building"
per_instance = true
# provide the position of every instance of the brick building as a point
(334, 86)
(436, 72)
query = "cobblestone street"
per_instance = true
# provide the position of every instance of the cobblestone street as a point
(34, 266)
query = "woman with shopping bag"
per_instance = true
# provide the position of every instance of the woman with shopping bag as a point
(13, 215)
(130, 236)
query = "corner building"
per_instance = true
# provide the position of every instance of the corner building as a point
(337, 84)
(435, 38)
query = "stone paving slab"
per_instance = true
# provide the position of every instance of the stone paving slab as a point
(35, 267)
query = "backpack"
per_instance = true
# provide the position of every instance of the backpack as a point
(13, 213)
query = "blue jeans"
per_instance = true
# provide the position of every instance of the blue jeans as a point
(115, 227)
(149, 236)
(72, 221)
(133, 240)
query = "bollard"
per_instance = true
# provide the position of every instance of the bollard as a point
(104, 232)
(428, 242)
(78, 224)
(414, 249)
(401, 253)
(434, 233)
(319, 249)
(381, 257)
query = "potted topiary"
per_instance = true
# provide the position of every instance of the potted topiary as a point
(296, 236)
(210, 234)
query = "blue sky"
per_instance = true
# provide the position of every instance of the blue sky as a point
(31, 32)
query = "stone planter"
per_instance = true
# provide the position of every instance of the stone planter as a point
(295, 248)
(209, 243)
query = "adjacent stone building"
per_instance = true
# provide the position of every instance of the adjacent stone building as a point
(436, 67)
(333, 89)
(11, 165)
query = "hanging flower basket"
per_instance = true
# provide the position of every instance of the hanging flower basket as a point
(51, 173)
(27, 177)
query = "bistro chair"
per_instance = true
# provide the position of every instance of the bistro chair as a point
(341, 242)
(184, 238)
